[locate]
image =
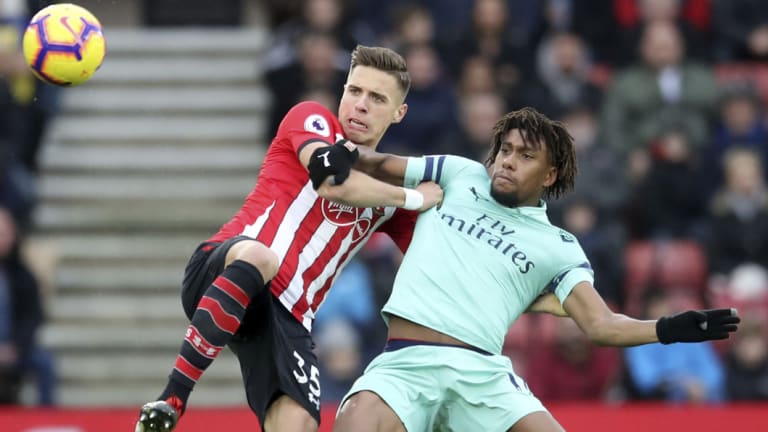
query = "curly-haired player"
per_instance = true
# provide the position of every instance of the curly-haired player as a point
(475, 263)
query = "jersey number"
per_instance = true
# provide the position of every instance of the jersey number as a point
(313, 379)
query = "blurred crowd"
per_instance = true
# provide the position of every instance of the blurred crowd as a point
(26, 107)
(665, 101)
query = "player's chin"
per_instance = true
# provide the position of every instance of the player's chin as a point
(505, 195)
(356, 136)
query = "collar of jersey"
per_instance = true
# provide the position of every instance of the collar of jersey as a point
(538, 212)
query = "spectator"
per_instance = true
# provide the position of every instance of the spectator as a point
(600, 167)
(592, 20)
(742, 29)
(27, 106)
(667, 202)
(600, 238)
(741, 123)
(318, 16)
(479, 112)
(413, 25)
(477, 76)
(22, 316)
(563, 78)
(35, 103)
(449, 15)
(675, 373)
(489, 37)
(662, 86)
(738, 220)
(352, 300)
(747, 362)
(340, 358)
(573, 368)
(432, 107)
(697, 41)
(316, 70)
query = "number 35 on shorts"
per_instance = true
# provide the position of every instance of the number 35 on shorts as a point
(312, 382)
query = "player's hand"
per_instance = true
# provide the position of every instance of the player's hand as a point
(433, 195)
(332, 161)
(547, 303)
(697, 325)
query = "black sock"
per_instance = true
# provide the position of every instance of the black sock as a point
(215, 321)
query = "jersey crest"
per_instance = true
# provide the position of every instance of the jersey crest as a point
(343, 215)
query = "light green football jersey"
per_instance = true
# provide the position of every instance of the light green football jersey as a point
(474, 265)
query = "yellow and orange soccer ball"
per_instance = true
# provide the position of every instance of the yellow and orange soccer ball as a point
(64, 44)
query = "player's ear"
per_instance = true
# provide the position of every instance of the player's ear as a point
(400, 113)
(551, 177)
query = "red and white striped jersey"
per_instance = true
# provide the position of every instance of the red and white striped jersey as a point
(313, 238)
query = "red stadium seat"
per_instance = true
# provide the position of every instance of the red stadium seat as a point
(667, 265)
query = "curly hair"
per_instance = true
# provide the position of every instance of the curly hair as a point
(536, 128)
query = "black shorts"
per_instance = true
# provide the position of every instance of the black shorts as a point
(274, 349)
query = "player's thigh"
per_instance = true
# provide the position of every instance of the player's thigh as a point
(486, 394)
(398, 387)
(287, 415)
(203, 267)
(540, 421)
(365, 411)
(255, 253)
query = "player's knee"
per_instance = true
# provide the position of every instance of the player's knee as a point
(258, 255)
(362, 412)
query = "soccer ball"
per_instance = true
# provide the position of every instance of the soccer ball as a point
(64, 44)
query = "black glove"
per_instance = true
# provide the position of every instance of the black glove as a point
(335, 160)
(697, 325)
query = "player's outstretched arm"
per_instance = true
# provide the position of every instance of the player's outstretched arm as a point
(361, 190)
(331, 174)
(605, 327)
(385, 167)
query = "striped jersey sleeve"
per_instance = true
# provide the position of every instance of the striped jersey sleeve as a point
(437, 168)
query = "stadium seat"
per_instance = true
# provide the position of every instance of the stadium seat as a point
(667, 265)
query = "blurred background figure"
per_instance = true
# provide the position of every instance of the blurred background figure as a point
(340, 354)
(315, 69)
(742, 29)
(738, 221)
(741, 123)
(747, 362)
(600, 168)
(478, 113)
(572, 368)
(562, 82)
(666, 201)
(26, 106)
(412, 25)
(489, 37)
(352, 301)
(21, 315)
(662, 85)
(637, 15)
(432, 107)
(665, 100)
(330, 17)
(600, 239)
(679, 372)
